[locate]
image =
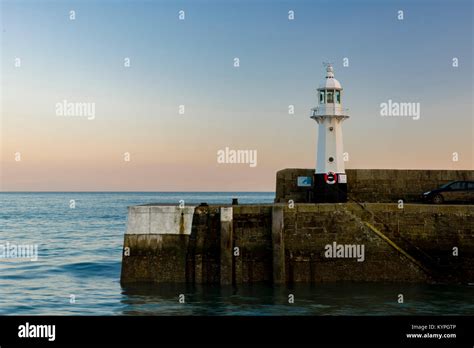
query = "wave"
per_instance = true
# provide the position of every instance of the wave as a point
(92, 269)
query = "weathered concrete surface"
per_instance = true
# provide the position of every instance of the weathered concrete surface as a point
(226, 270)
(277, 243)
(309, 228)
(429, 232)
(159, 219)
(372, 185)
(155, 257)
(253, 237)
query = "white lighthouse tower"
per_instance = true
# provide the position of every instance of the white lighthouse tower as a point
(330, 184)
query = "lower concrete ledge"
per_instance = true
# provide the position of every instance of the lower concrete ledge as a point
(301, 243)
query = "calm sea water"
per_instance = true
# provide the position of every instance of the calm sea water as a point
(80, 254)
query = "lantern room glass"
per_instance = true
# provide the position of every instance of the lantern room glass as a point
(330, 97)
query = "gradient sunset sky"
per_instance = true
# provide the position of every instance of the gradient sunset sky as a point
(190, 62)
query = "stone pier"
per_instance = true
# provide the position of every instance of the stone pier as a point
(284, 244)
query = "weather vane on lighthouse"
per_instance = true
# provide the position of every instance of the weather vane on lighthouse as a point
(330, 183)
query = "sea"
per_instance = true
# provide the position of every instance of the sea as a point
(79, 237)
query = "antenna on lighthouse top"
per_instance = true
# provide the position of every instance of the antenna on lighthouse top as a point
(329, 69)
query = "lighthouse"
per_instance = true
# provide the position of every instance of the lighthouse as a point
(330, 180)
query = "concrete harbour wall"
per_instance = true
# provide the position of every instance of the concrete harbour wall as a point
(282, 244)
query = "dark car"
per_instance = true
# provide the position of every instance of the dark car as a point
(456, 191)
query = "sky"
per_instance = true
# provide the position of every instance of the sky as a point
(137, 139)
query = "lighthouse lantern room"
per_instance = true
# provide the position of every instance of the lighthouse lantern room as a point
(330, 182)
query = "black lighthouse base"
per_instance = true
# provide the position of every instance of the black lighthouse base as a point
(330, 188)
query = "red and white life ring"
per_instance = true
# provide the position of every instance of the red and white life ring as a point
(330, 178)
